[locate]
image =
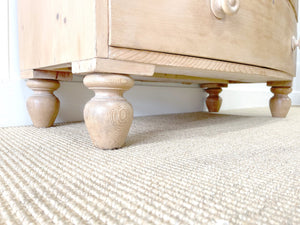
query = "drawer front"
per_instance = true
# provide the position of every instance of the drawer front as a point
(259, 34)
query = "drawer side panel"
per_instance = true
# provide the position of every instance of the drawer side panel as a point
(53, 32)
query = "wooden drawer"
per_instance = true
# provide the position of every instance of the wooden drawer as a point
(259, 34)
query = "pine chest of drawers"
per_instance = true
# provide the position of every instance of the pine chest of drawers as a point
(114, 42)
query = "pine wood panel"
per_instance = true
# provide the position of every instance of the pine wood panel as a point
(260, 34)
(102, 27)
(199, 67)
(47, 74)
(53, 32)
(99, 65)
(171, 78)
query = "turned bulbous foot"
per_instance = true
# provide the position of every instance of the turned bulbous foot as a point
(213, 101)
(108, 116)
(280, 103)
(43, 105)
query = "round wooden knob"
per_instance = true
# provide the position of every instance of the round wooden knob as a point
(220, 8)
(295, 43)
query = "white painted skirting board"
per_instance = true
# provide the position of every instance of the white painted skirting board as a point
(295, 96)
(13, 95)
(238, 96)
(146, 98)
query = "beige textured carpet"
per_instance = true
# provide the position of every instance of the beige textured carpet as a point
(196, 168)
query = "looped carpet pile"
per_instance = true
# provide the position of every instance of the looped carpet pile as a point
(195, 168)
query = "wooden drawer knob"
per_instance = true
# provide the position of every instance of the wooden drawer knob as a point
(220, 8)
(295, 43)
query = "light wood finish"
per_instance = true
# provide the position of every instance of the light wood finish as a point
(214, 85)
(46, 74)
(280, 103)
(99, 65)
(213, 101)
(54, 31)
(65, 67)
(295, 7)
(43, 105)
(161, 77)
(260, 34)
(108, 116)
(286, 83)
(102, 24)
(198, 67)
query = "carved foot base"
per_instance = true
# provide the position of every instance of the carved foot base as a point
(108, 116)
(213, 101)
(280, 103)
(43, 105)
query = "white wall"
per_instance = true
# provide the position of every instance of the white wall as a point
(4, 39)
(295, 96)
(146, 98)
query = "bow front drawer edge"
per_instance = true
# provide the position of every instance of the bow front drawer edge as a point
(259, 33)
(114, 42)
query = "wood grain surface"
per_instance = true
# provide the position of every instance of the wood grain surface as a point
(259, 34)
(43, 105)
(108, 116)
(53, 32)
(99, 65)
(47, 74)
(199, 67)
